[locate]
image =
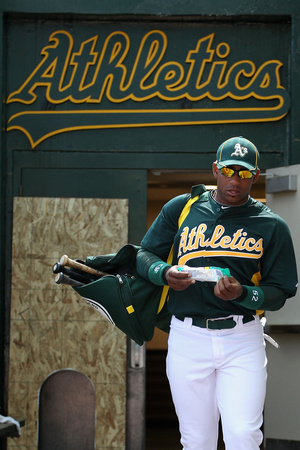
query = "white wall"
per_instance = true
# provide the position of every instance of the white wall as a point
(287, 205)
(282, 408)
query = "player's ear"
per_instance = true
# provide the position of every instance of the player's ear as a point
(256, 176)
(214, 170)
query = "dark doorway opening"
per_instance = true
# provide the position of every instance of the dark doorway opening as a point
(162, 431)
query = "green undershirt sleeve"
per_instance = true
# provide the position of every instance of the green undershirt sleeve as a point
(151, 267)
(268, 298)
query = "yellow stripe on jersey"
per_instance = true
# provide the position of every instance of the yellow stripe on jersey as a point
(181, 219)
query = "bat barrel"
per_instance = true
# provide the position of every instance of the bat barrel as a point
(66, 261)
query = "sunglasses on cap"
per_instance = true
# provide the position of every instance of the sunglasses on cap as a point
(228, 172)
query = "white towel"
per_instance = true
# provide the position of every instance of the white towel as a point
(7, 419)
(268, 338)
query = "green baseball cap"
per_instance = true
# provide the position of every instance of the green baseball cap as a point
(238, 151)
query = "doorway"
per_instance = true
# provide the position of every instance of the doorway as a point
(161, 422)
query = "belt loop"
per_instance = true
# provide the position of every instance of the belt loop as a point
(239, 320)
(188, 322)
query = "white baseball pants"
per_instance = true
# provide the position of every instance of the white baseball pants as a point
(215, 373)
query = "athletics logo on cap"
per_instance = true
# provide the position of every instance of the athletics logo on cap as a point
(238, 151)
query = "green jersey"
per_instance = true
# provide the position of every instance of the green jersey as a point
(250, 240)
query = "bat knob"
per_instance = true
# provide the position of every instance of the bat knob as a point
(59, 278)
(64, 260)
(56, 268)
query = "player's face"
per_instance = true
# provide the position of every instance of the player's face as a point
(233, 190)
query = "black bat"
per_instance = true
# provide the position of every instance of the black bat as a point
(61, 278)
(76, 275)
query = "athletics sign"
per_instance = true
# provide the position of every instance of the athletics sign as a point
(115, 81)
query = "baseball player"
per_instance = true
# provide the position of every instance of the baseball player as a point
(216, 362)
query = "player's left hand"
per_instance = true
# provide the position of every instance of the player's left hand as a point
(228, 288)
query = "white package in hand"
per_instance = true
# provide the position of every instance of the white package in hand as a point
(205, 273)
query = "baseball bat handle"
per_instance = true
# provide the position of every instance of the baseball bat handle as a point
(78, 275)
(61, 278)
(66, 261)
